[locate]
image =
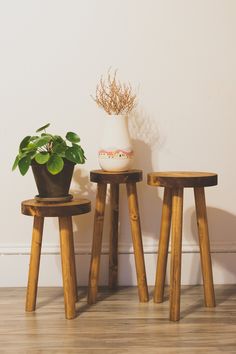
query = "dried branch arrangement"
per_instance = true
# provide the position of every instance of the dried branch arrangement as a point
(113, 96)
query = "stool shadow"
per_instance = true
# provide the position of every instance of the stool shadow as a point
(145, 140)
(81, 304)
(103, 292)
(83, 224)
(147, 195)
(222, 295)
(145, 137)
(42, 303)
(84, 188)
(222, 228)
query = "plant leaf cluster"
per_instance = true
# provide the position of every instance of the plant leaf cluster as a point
(49, 149)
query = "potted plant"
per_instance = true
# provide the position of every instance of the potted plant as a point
(52, 159)
(117, 100)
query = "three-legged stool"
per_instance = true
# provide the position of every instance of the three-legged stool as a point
(129, 178)
(64, 212)
(172, 211)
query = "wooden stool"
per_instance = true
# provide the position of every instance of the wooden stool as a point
(103, 178)
(64, 212)
(174, 184)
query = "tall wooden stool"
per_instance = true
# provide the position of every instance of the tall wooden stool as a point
(64, 212)
(103, 178)
(172, 210)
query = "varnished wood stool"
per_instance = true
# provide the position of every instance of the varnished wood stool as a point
(172, 210)
(103, 178)
(64, 212)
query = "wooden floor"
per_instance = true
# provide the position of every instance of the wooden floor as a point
(118, 323)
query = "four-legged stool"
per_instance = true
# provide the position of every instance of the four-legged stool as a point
(103, 178)
(174, 184)
(64, 212)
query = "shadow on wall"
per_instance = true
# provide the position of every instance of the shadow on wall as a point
(82, 225)
(145, 139)
(222, 226)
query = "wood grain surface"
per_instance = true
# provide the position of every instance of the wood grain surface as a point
(204, 243)
(67, 262)
(36, 245)
(163, 246)
(100, 176)
(118, 323)
(75, 207)
(113, 239)
(176, 253)
(137, 241)
(182, 179)
(97, 242)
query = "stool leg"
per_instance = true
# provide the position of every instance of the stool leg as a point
(34, 264)
(176, 243)
(67, 266)
(204, 246)
(113, 251)
(97, 242)
(163, 246)
(137, 241)
(73, 265)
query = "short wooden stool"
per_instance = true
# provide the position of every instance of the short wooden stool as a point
(103, 178)
(172, 210)
(64, 212)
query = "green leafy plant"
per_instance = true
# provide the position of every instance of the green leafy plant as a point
(48, 149)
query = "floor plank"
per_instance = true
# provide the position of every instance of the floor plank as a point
(118, 323)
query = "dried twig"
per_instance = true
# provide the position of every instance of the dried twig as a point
(114, 97)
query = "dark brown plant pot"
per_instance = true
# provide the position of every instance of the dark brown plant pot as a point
(53, 186)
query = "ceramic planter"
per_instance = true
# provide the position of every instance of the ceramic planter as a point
(53, 186)
(115, 153)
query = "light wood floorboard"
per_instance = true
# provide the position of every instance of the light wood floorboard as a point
(118, 323)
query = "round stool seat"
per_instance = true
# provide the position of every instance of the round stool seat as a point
(74, 207)
(182, 179)
(131, 176)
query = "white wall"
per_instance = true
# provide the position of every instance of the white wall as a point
(181, 57)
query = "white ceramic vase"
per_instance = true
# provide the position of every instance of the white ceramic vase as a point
(115, 153)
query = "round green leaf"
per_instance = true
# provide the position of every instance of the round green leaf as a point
(24, 164)
(42, 157)
(74, 154)
(24, 142)
(15, 164)
(34, 137)
(57, 139)
(59, 148)
(45, 134)
(41, 141)
(43, 128)
(72, 137)
(55, 164)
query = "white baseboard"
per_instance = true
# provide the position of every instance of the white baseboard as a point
(14, 262)
(124, 248)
